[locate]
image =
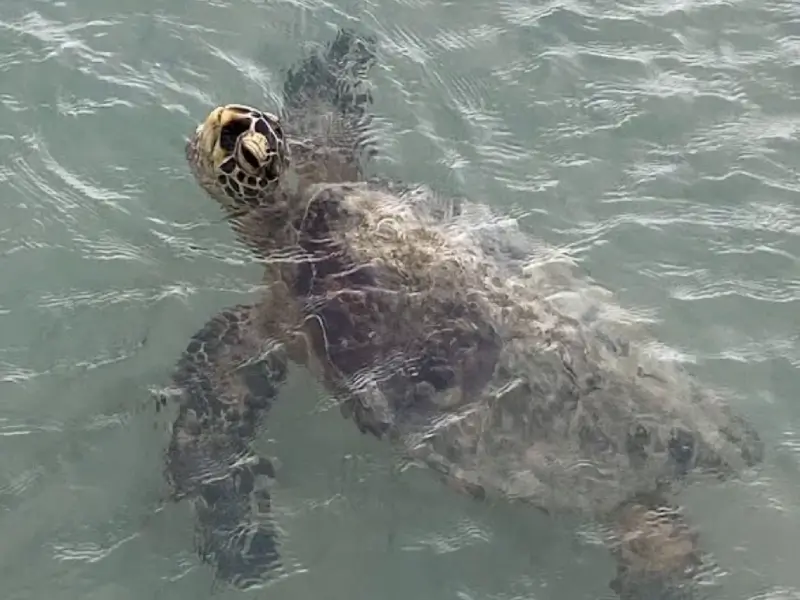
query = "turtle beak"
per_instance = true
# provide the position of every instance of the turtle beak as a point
(254, 153)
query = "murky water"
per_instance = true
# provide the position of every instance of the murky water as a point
(657, 141)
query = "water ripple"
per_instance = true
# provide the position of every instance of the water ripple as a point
(778, 593)
(78, 298)
(654, 141)
(466, 533)
(89, 552)
(19, 484)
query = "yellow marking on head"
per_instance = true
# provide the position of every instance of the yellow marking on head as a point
(210, 130)
(208, 133)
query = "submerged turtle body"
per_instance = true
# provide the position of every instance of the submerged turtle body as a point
(433, 341)
(434, 334)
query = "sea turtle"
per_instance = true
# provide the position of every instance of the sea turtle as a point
(508, 379)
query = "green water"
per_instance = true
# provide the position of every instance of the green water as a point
(655, 140)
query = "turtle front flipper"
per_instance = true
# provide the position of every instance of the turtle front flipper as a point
(656, 551)
(326, 101)
(336, 77)
(225, 381)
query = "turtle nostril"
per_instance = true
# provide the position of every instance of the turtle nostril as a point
(250, 159)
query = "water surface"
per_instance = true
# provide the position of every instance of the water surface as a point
(654, 140)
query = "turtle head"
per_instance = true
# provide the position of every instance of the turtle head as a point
(238, 155)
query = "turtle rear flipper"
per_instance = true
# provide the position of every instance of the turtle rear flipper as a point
(225, 381)
(656, 550)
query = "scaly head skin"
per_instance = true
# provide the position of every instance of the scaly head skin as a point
(238, 154)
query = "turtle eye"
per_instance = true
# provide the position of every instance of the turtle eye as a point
(269, 127)
(272, 168)
(263, 128)
(230, 132)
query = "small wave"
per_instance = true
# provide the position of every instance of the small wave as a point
(89, 552)
(465, 534)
